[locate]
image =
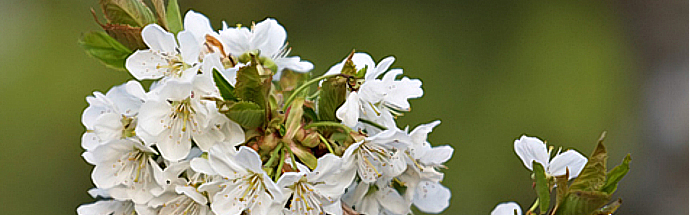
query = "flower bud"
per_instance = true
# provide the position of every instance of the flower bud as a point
(311, 140)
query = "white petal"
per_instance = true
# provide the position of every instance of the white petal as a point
(507, 208)
(384, 65)
(362, 60)
(109, 127)
(293, 63)
(369, 205)
(190, 47)
(202, 165)
(89, 141)
(226, 201)
(395, 166)
(197, 24)
(348, 113)
(249, 159)
(220, 161)
(106, 207)
(570, 159)
(158, 39)
(431, 197)
(420, 133)
(127, 97)
(398, 92)
(269, 37)
(143, 64)
(191, 193)
(237, 40)
(177, 147)
(391, 200)
(530, 149)
(437, 155)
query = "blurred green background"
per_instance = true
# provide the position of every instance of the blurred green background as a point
(492, 71)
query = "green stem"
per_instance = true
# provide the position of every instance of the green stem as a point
(313, 96)
(373, 124)
(328, 144)
(274, 155)
(292, 157)
(302, 87)
(280, 166)
(534, 206)
(328, 124)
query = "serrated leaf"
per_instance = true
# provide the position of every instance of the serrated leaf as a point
(332, 95)
(159, 6)
(561, 186)
(615, 176)
(128, 12)
(250, 86)
(106, 49)
(247, 114)
(173, 17)
(542, 186)
(582, 202)
(127, 35)
(349, 67)
(294, 117)
(593, 175)
(227, 91)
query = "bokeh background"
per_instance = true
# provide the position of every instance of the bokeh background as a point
(492, 71)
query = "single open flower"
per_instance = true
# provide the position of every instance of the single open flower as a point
(533, 149)
(507, 208)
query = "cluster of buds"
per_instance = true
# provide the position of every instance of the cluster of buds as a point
(232, 125)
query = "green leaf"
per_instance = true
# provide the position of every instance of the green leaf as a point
(582, 203)
(349, 67)
(250, 86)
(332, 95)
(159, 6)
(104, 48)
(294, 118)
(310, 114)
(304, 154)
(542, 187)
(127, 35)
(128, 12)
(227, 91)
(561, 186)
(247, 114)
(615, 175)
(593, 175)
(173, 17)
(290, 80)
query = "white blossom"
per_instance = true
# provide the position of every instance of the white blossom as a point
(376, 198)
(533, 149)
(378, 156)
(269, 39)
(172, 116)
(507, 208)
(314, 192)
(126, 168)
(111, 116)
(165, 58)
(245, 186)
(377, 100)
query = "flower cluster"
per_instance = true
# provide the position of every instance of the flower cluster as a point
(230, 126)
